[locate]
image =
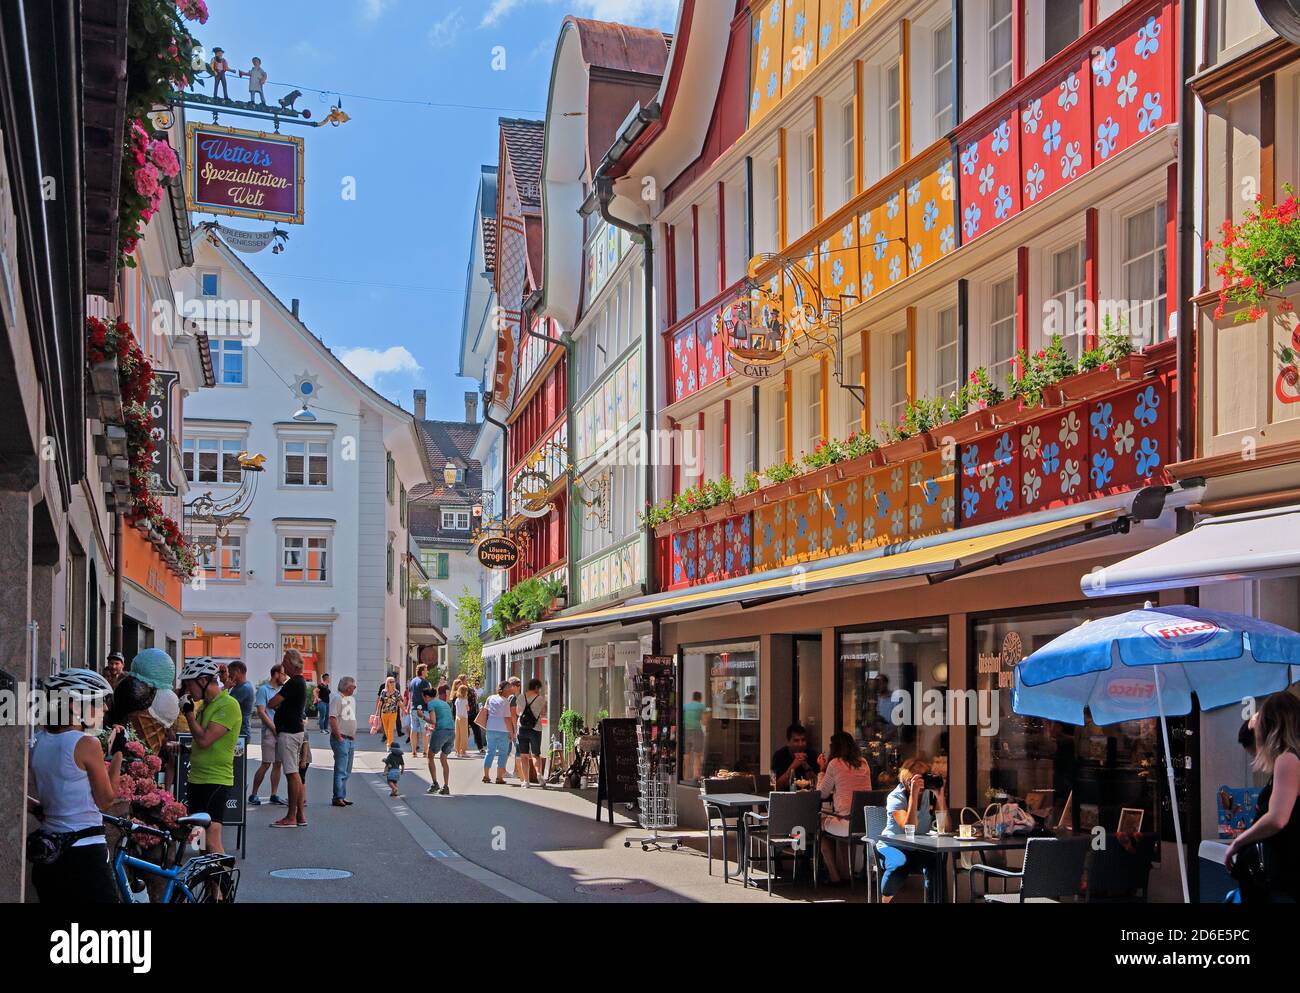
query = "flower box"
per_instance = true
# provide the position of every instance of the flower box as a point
(1086, 384)
(719, 513)
(965, 428)
(746, 502)
(817, 479)
(781, 491)
(860, 466)
(687, 521)
(666, 530)
(1007, 412)
(909, 448)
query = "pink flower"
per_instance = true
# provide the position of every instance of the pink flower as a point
(146, 180)
(193, 10)
(164, 157)
(135, 749)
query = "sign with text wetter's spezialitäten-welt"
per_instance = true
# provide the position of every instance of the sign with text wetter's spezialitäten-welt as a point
(244, 173)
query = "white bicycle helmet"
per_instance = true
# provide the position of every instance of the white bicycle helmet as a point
(198, 668)
(81, 685)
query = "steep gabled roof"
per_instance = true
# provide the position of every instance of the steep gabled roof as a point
(524, 142)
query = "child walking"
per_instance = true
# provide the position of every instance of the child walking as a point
(393, 766)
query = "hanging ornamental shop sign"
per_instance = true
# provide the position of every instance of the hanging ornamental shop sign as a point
(244, 173)
(498, 553)
(160, 420)
(779, 319)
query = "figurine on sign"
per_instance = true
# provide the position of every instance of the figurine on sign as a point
(219, 67)
(336, 116)
(287, 101)
(256, 80)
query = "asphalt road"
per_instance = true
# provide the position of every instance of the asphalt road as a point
(482, 844)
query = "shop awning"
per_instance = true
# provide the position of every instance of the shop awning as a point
(1262, 544)
(934, 556)
(515, 643)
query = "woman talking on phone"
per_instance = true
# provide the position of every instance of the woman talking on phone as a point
(73, 787)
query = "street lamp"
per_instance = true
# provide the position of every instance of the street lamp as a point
(303, 415)
(449, 474)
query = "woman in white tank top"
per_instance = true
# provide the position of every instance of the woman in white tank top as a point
(73, 784)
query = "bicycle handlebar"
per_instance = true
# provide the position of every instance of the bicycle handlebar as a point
(129, 826)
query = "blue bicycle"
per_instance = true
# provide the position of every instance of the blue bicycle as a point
(202, 879)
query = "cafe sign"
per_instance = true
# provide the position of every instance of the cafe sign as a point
(160, 431)
(498, 553)
(244, 173)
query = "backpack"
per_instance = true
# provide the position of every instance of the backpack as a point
(527, 719)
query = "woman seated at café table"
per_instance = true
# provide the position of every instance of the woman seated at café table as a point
(907, 804)
(844, 772)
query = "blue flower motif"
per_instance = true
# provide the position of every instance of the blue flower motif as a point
(1148, 456)
(1148, 42)
(1002, 451)
(970, 501)
(931, 491)
(1150, 113)
(970, 158)
(1126, 88)
(1051, 458)
(1002, 205)
(892, 207)
(837, 273)
(764, 59)
(930, 216)
(841, 515)
(913, 192)
(1102, 420)
(826, 37)
(895, 268)
(1034, 179)
(769, 535)
(970, 460)
(1107, 137)
(1001, 142)
(1102, 464)
(1069, 94)
(914, 260)
(1148, 402)
(1051, 137)
(1003, 495)
(1071, 159)
(758, 31)
(800, 22)
(947, 239)
(882, 504)
(771, 85)
(753, 104)
(1104, 65)
(971, 220)
(986, 179)
(785, 74)
(802, 525)
(868, 284)
(878, 245)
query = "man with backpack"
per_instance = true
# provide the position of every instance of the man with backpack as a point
(530, 706)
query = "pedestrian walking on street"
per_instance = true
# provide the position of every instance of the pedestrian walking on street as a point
(215, 731)
(323, 703)
(461, 709)
(343, 737)
(389, 708)
(414, 698)
(500, 730)
(269, 761)
(531, 708)
(441, 737)
(394, 765)
(519, 773)
(473, 699)
(289, 705)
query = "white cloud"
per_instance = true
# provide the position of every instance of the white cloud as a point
(648, 13)
(445, 31)
(372, 10)
(371, 363)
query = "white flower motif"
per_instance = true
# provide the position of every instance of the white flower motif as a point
(987, 476)
(1069, 92)
(868, 527)
(915, 517)
(916, 472)
(1031, 442)
(896, 479)
(986, 180)
(1070, 478)
(1032, 115)
(1033, 482)
(1126, 87)
(1071, 160)
(896, 522)
(1070, 425)
(948, 509)
(1124, 438)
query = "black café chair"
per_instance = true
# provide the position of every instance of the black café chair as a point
(774, 832)
(717, 816)
(763, 784)
(1121, 871)
(874, 819)
(862, 799)
(1053, 871)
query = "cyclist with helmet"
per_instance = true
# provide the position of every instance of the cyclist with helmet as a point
(73, 786)
(215, 730)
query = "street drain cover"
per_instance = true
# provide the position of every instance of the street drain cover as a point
(310, 873)
(617, 887)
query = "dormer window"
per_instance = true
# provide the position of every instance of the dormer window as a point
(455, 519)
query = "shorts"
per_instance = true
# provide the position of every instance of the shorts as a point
(441, 741)
(288, 749)
(417, 723)
(210, 799)
(268, 745)
(693, 740)
(529, 741)
(393, 774)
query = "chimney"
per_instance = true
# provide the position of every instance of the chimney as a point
(419, 405)
(293, 307)
(471, 408)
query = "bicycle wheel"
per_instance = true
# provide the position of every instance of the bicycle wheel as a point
(208, 879)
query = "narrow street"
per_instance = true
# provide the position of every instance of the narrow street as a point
(482, 844)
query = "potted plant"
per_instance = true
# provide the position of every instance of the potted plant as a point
(750, 495)
(719, 495)
(911, 436)
(1102, 367)
(688, 507)
(783, 477)
(861, 455)
(571, 725)
(1039, 376)
(821, 465)
(978, 392)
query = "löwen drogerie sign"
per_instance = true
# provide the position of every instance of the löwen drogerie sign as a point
(244, 173)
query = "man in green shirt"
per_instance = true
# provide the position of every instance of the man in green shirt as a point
(215, 731)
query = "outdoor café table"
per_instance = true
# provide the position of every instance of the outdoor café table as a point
(735, 805)
(942, 847)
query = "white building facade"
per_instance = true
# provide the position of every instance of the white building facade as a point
(319, 561)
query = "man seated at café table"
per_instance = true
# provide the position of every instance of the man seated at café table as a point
(909, 803)
(793, 761)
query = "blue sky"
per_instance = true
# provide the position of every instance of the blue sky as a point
(381, 277)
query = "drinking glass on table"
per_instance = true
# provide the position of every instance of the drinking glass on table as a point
(909, 831)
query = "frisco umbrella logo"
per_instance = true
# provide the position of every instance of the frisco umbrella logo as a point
(1181, 634)
(1130, 690)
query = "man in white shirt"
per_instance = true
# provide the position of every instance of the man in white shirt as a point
(343, 735)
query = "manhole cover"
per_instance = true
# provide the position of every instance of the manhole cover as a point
(617, 887)
(310, 873)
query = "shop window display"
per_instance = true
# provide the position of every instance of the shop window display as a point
(886, 679)
(720, 710)
(1087, 776)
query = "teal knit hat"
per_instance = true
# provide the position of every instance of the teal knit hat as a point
(154, 667)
